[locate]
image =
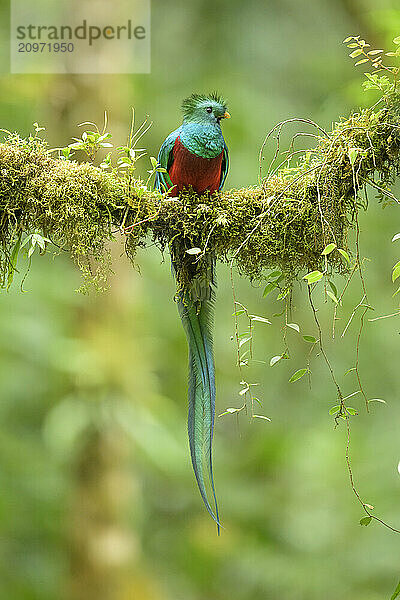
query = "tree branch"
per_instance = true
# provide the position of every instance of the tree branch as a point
(284, 222)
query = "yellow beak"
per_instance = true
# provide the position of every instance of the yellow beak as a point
(226, 115)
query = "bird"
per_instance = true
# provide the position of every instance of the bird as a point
(195, 156)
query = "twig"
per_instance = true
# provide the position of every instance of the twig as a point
(386, 193)
(341, 298)
(352, 316)
(396, 314)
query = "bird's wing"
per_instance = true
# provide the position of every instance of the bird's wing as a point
(224, 167)
(165, 160)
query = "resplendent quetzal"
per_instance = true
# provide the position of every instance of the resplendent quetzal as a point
(195, 155)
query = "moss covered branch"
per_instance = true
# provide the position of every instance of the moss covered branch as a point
(286, 221)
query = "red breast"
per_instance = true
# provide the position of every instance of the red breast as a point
(189, 169)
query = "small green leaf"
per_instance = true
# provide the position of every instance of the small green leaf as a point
(26, 240)
(261, 417)
(244, 340)
(351, 411)
(365, 521)
(271, 285)
(238, 312)
(335, 409)
(396, 237)
(397, 40)
(333, 287)
(350, 370)
(293, 326)
(298, 374)
(153, 161)
(332, 296)
(328, 249)
(193, 251)
(12, 267)
(39, 240)
(77, 146)
(274, 274)
(396, 271)
(230, 411)
(355, 53)
(377, 400)
(347, 39)
(260, 319)
(360, 62)
(373, 52)
(344, 254)
(313, 277)
(353, 153)
(310, 339)
(38, 128)
(274, 360)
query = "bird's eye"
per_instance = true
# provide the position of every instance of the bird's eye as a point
(209, 109)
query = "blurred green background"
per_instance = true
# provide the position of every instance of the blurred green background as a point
(98, 499)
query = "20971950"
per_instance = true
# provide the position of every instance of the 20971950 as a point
(45, 47)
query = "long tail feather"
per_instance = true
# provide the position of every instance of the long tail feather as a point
(197, 319)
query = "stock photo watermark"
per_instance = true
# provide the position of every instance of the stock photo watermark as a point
(71, 36)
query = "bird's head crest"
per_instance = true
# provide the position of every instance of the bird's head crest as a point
(204, 108)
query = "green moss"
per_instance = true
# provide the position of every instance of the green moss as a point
(285, 222)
